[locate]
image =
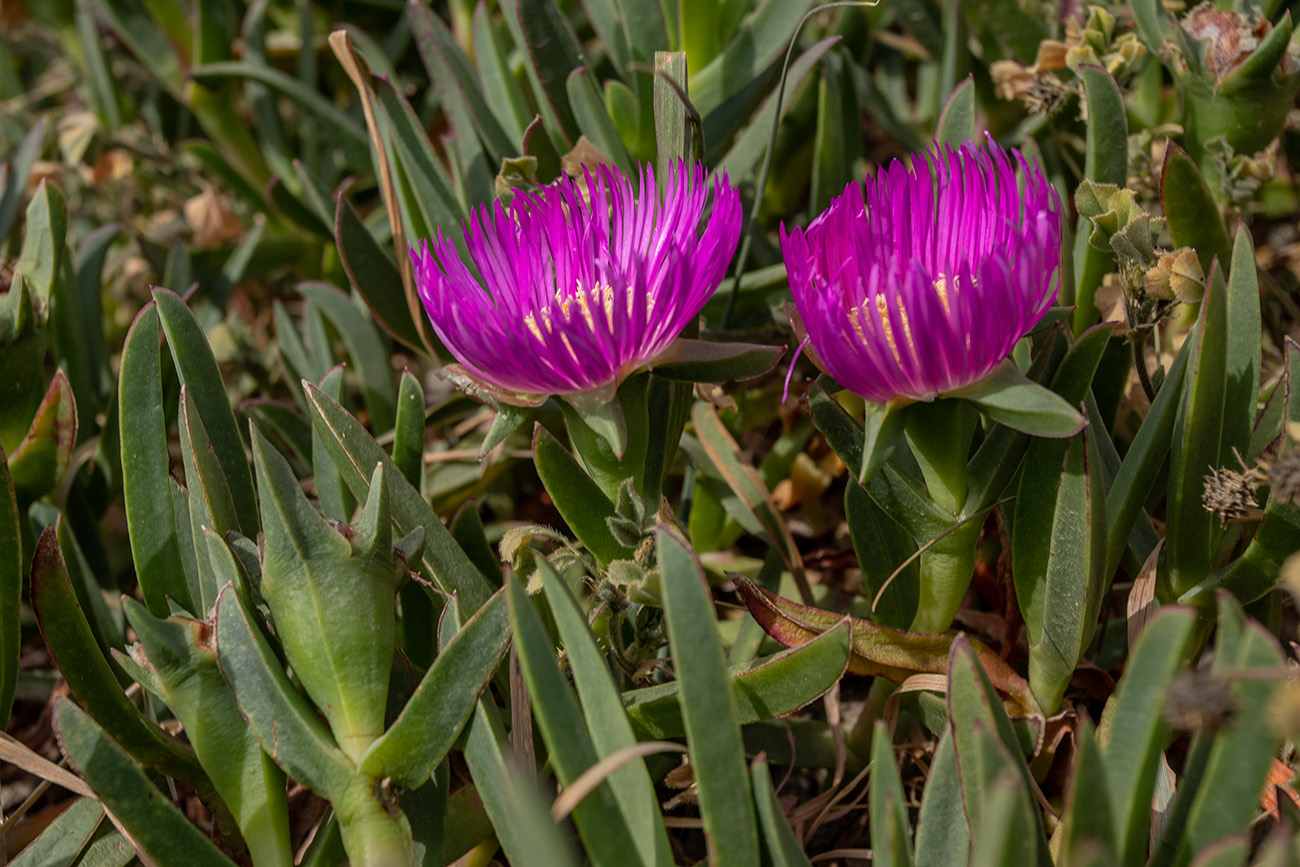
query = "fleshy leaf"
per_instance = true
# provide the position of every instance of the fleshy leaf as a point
(691, 360)
(1012, 399)
(877, 650)
(40, 460)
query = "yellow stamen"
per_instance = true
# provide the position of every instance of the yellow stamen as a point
(882, 315)
(941, 286)
(531, 322)
(569, 346)
(581, 297)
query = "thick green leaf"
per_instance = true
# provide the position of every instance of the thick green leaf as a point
(432, 719)
(771, 687)
(14, 182)
(750, 144)
(336, 500)
(942, 835)
(551, 53)
(756, 47)
(741, 477)
(64, 838)
(708, 708)
(891, 840)
(456, 80)
(676, 136)
(580, 501)
(365, 348)
(1241, 394)
(210, 504)
(1141, 466)
(528, 835)
(1004, 827)
(73, 648)
(1190, 210)
(500, 90)
(161, 829)
(593, 120)
(373, 274)
(352, 449)
(606, 720)
(1059, 558)
(602, 823)
(1227, 799)
(688, 360)
(331, 596)
(11, 589)
(288, 727)
(175, 661)
(882, 546)
(38, 463)
(837, 143)
(435, 197)
(781, 845)
(1105, 162)
(1136, 731)
(1088, 819)
(408, 430)
(1189, 532)
(89, 267)
(986, 746)
(198, 370)
(44, 244)
(1009, 397)
(957, 123)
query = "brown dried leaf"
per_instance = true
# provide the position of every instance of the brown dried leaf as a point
(879, 650)
(212, 221)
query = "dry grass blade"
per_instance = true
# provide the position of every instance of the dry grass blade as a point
(1142, 598)
(352, 64)
(591, 778)
(16, 753)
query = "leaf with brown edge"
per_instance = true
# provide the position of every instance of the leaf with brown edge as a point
(40, 460)
(880, 650)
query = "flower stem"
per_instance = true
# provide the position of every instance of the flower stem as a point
(946, 570)
(372, 835)
(939, 435)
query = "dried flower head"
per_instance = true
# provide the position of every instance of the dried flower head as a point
(1284, 477)
(1232, 36)
(1200, 701)
(926, 285)
(1230, 495)
(1176, 275)
(576, 289)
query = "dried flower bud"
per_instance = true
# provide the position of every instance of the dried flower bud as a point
(1200, 701)
(1289, 576)
(1284, 477)
(1051, 56)
(1229, 495)
(1284, 710)
(1176, 275)
(1010, 79)
(1233, 36)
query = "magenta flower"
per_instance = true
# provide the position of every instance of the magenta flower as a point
(574, 293)
(927, 286)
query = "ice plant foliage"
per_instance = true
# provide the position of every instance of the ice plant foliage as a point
(925, 284)
(576, 291)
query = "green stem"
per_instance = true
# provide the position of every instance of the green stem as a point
(946, 570)
(939, 435)
(372, 836)
(594, 426)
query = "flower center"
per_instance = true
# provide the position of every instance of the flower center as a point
(555, 320)
(878, 318)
